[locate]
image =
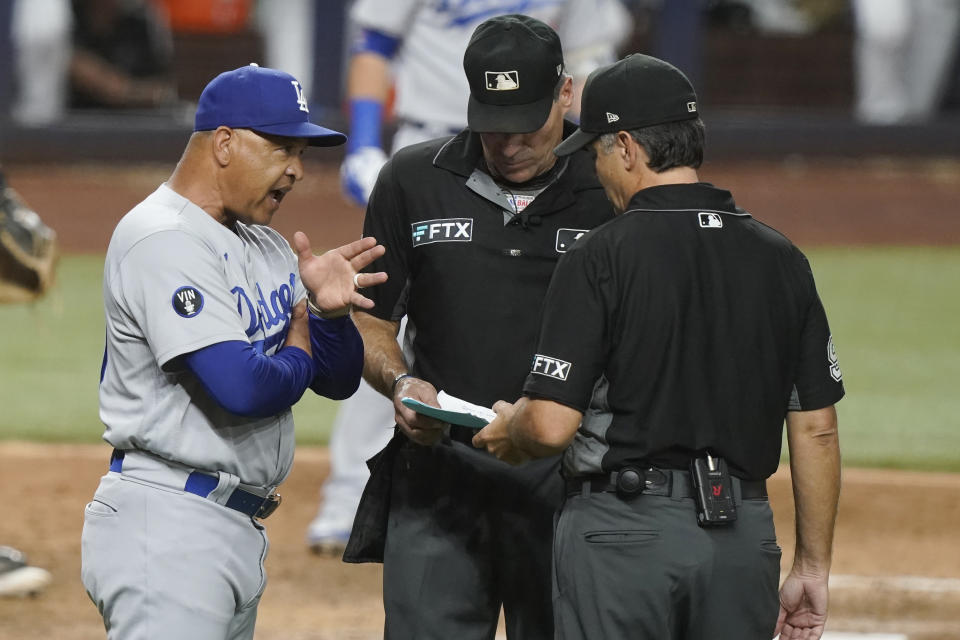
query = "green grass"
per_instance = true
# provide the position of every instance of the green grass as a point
(894, 317)
(50, 355)
(893, 313)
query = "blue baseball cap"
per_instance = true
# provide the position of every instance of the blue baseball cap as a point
(262, 100)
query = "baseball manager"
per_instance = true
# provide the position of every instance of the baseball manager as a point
(209, 342)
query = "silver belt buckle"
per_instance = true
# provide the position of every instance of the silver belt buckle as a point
(270, 504)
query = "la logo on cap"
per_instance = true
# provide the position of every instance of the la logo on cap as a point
(502, 80)
(300, 99)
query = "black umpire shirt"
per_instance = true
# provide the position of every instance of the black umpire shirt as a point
(470, 278)
(683, 326)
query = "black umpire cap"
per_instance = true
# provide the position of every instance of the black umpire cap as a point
(638, 91)
(512, 63)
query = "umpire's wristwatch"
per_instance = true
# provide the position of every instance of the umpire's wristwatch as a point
(396, 381)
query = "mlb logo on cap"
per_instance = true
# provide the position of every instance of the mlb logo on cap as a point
(502, 80)
(262, 100)
(513, 64)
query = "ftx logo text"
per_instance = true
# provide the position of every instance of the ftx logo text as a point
(550, 367)
(442, 230)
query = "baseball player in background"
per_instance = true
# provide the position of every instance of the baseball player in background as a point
(416, 46)
(214, 328)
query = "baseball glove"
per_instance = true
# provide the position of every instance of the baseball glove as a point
(28, 250)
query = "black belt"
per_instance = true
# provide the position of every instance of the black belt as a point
(201, 484)
(657, 482)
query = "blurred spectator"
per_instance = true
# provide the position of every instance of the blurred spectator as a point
(207, 16)
(122, 56)
(904, 55)
(783, 17)
(769, 17)
(40, 38)
(287, 30)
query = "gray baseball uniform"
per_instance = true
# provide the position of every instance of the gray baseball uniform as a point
(431, 89)
(175, 280)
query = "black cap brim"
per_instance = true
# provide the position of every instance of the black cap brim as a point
(517, 118)
(576, 140)
(316, 135)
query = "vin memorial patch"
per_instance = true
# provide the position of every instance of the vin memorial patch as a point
(187, 301)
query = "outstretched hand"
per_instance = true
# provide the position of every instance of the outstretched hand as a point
(803, 607)
(495, 438)
(332, 278)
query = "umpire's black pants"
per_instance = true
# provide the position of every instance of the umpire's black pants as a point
(467, 533)
(643, 569)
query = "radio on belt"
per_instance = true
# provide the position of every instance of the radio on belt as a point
(712, 491)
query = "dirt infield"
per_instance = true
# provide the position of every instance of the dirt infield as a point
(897, 557)
(890, 524)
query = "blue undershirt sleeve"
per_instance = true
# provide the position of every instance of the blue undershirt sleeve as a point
(366, 116)
(248, 383)
(337, 356)
(379, 42)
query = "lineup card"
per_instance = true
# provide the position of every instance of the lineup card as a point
(453, 410)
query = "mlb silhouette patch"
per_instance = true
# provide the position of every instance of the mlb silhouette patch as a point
(710, 220)
(502, 80)
(187, 302)
(566, 238)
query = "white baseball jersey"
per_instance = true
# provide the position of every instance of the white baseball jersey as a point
(431, 86)
(175, 280)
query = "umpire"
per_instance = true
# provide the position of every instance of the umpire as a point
(682, 334)
(474, 226)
